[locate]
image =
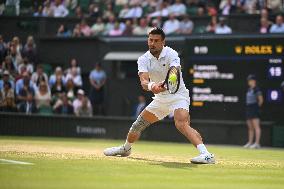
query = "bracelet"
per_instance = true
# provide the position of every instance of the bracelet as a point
(150, 84)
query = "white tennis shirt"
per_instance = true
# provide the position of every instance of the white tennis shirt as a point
(158, 68)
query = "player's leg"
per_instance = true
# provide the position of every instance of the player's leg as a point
(250, 134)
(154, 112)
(144, 120)
(182, 118)
(182, 123)
(140, 124)
(257, 130)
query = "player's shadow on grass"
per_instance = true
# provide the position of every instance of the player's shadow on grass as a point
(168, 164)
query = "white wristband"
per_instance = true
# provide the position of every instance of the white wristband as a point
(150, 86)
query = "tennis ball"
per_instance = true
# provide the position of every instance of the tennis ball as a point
(173, 78)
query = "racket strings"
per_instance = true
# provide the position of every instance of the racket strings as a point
(173, 85)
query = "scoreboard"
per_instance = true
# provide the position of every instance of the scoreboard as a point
(216, 70)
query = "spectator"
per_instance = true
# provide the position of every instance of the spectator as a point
(19, 75)
(134, 2)
(3, 49)
(71, 89)
(200, 11)
(110, 25)
(48, 9)
(98, 27)
(85, 28)
(79, 12)
(123, 12)
(94, 11)
(43, 98)
(121, 2)
(142, 29)
(171, 26)
(59, 10)
(140, 106)
(39, 76)
(2, 7)
(116, 31)
(278, 27)
(178, 8)
(24, 91)
(128, 28)
(73, 64)
(28, 106)
(14, 3)
(77, 103)
(39, 12)
(211, 27)
(16, 43)
(163, 10)
(71, 4)
(8, 98)
(15, 54)
(135, 11)
(250, 6)
(275, 5)
(85, 109)
(58, 74)
(108, 12)
(29, 51)
(264, 13)
(186, 26)
(226, 7)
(65, 107)
(97, 80)
(24, 82)
(63, 31)
(77, 31)
(6, 78)
(75, 77)
(264, 25)
(157, 22)
(222, 28)
(57, 89)
(27, 66)
(9, 66)
(211, 9)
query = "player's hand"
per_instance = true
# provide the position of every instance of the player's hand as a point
(157, 88)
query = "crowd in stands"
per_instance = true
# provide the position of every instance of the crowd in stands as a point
(136, 17)
(26, 86)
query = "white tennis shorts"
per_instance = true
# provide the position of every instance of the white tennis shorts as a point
(167, 104)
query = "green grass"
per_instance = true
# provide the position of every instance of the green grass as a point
(79, 163)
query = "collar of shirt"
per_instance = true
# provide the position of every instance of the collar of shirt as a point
(162, 54)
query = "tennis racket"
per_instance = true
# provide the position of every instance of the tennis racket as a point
(172, 80)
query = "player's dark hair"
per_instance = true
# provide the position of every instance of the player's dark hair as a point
(158, 31)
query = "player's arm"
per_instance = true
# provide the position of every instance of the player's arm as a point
(260, 100)
(144, 80)
(150, 86)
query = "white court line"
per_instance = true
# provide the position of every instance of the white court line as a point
(7, 161)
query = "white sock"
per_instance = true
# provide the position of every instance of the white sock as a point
(202, 149)
(127, 145)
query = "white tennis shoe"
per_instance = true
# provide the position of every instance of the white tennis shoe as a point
(247, 145)
(117, 151)
(204, 159)
(255, 146)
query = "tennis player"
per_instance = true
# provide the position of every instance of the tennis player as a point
(152, 70)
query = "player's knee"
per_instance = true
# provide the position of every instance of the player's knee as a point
(139, 125)
(181, 124)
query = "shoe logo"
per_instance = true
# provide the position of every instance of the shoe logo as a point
(207, 158)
